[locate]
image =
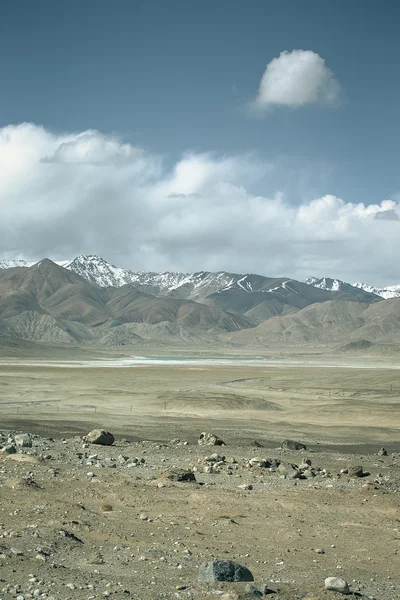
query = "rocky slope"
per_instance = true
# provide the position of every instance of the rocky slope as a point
(91, 521)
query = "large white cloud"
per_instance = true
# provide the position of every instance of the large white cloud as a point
(62, 195)
(297, 78)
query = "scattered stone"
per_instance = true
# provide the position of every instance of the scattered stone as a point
(245, 486)
(293, 445)
(356, 471)
(256, 461)
(9, 449)
(210, 439)
(215, 458)
(177, 475)
(238, 596)
(289, 471)
(224, 570)
(253, 590)
(265, 589)
(337, 584)
(23, 440)
(101, 437)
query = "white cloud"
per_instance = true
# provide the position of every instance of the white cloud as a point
(115, 200)
(295, 79)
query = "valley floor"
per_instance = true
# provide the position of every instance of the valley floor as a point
(343, 409)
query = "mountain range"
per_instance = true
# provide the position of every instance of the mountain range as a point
(194, 285)
(89, 301)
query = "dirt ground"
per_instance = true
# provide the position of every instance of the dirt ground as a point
(93, 539)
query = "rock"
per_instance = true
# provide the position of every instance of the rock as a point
(9, 449)
(337, 584)
(253, 591)
(215, 458)
(245, 486)
(292, 445)
(356, 471)
(238, 596)
(265, 589)
(177, 475)
(209, 439)
(289, 471)
(224, 570)
(23, 440)
(382, 452)
(256, 461)
(101, 437)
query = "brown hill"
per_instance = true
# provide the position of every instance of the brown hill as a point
(328, 322)
(50, 304)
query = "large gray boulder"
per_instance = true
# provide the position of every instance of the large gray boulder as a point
(209, 439)
(337, 584)
(23, 440)
(224, 570)
(101, 437)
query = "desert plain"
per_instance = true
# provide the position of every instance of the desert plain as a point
(86, 521)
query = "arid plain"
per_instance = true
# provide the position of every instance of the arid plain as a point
(144, 536)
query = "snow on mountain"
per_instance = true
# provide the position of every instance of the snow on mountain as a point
(179, 285)
(193, 285)
(390, 291)
(326, 283)
(96, 270)
(9, 264)
(335, 285)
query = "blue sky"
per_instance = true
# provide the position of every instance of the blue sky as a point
(178, 76)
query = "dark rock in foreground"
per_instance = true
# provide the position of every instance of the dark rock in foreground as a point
(224, 570)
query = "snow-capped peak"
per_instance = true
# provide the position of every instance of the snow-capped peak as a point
(390, 291)
(335, 285)
(97, 270)
(326, 283)
(18, 262)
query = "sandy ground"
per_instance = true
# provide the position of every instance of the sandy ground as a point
(320, 400)
(343, 413)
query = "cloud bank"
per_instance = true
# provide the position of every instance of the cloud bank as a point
(295, 79)
(67, 194)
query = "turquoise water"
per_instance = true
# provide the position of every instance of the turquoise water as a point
(196, 358)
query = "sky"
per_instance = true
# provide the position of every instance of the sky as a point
(252, 136)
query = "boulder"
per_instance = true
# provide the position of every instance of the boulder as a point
(224, 570)
(256, 461)
(292, 445)
(356, 471)
(382, 452)
(9, 449)
(23, 440)
(337, 584)
(210, 439)
(289, 471)
(101, 437)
